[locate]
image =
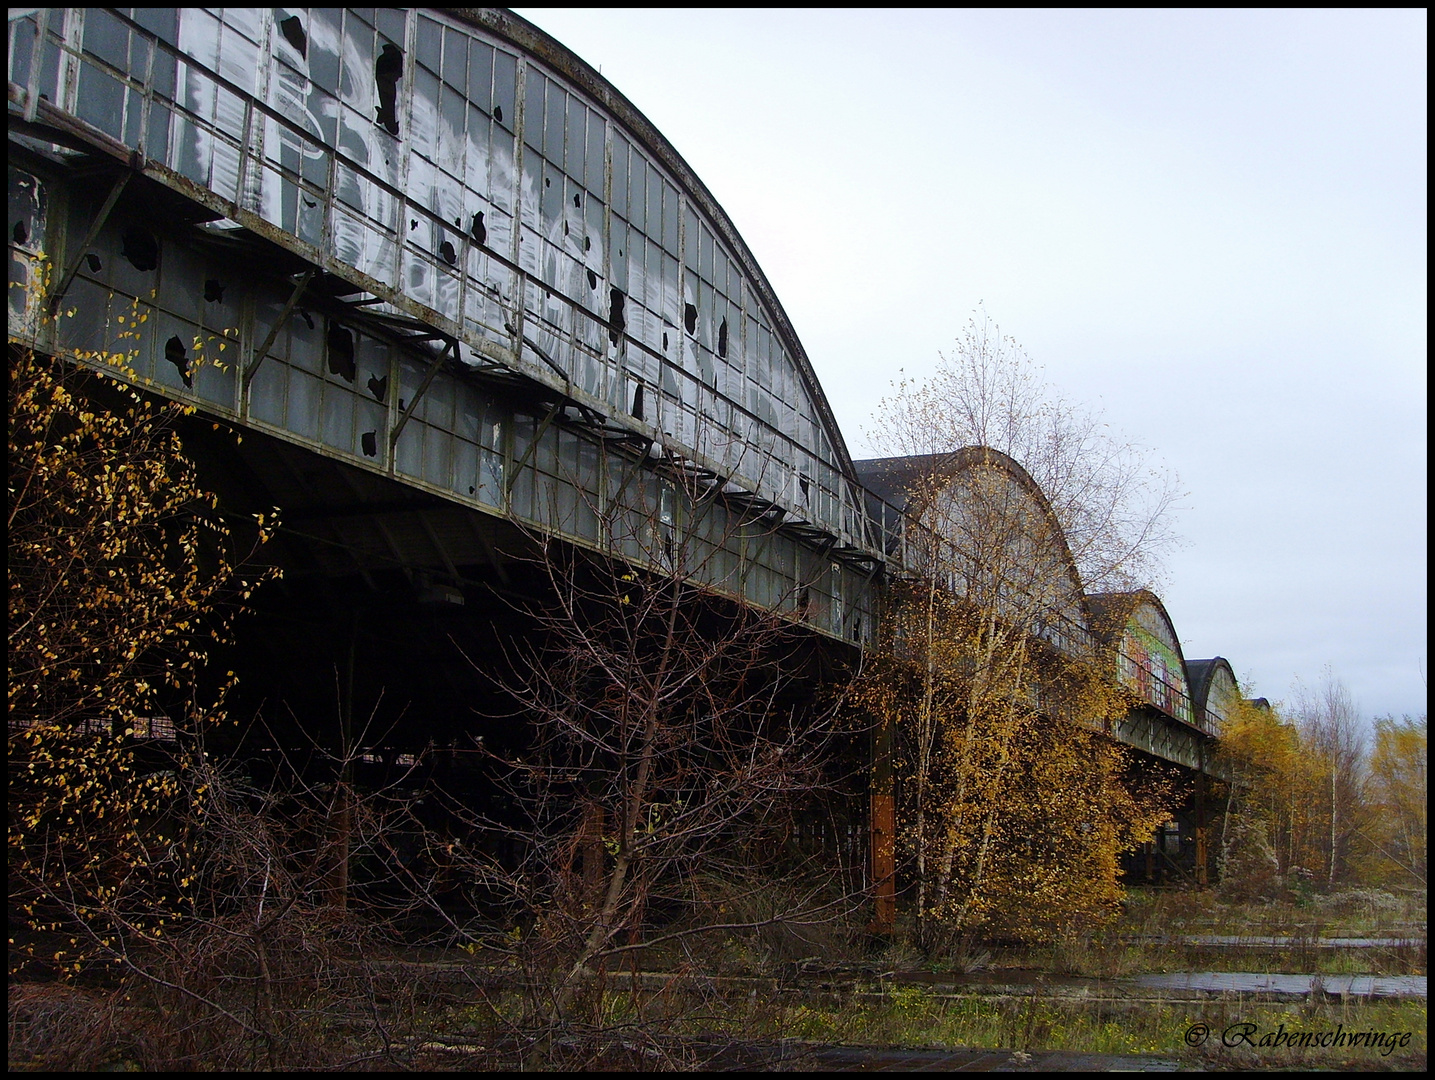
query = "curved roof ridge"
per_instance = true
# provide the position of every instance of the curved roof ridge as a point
(1200, 674)
(894, 479)
(1124, 605)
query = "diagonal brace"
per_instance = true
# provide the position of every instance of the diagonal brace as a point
(263, 350)
(533, 446)
(549, 361)
(95, 227)
(449, 344)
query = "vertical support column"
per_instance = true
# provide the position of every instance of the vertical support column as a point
(1202, 876)
(391, 406)
(883, 832)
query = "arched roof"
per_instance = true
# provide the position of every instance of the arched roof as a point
(899, 480)
(1112, 611)
(903, 482)
(556, 242)
(1202, 676)
(1112, 617)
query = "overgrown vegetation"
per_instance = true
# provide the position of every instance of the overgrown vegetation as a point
(655, 903)
(1014, 804)
(201, 911)
(678, 741)
(732, 1003)
(121, 575)
(164, 908)
(1315, 808)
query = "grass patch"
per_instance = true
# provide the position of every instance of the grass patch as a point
(914, 1017)
(1353, 913)
(1141, 941)
(723, 990)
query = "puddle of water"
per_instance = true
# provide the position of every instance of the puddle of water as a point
(999, 977)
(1223, 941)
(1217, 982)
(896, 1059)
(1243, 982)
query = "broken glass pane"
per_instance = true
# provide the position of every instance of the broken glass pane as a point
(505, 74)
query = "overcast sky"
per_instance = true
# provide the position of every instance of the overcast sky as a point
(1209, 225)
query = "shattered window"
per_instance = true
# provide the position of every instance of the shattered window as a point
(26, 226)
(644, 305)
(27, 211)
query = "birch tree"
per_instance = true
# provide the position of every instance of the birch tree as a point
(1399, 791)
(1331, 727)
(1021, 502)
(1272, 801)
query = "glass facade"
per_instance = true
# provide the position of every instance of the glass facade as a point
(1149, 662)
(463, 185)
(530, 307)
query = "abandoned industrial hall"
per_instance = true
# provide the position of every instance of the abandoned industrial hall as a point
(467, 307)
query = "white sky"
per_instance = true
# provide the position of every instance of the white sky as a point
(1210, 225)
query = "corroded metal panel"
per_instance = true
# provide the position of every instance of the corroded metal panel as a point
(460, 187)
(179, 311)
(482, 273)
(443, 169)
(1162, 739)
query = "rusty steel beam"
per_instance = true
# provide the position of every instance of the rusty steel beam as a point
(882, 832)
(449, 345)
(258, 356)
(95, 226)
(547, 359)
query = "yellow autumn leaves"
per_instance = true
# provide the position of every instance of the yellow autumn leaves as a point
(111, 611)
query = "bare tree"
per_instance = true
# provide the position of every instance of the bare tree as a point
(1115, 508)
(1330, 724)
(678, 735)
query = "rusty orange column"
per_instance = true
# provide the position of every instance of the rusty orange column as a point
(883, 832)
(1202, 874)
